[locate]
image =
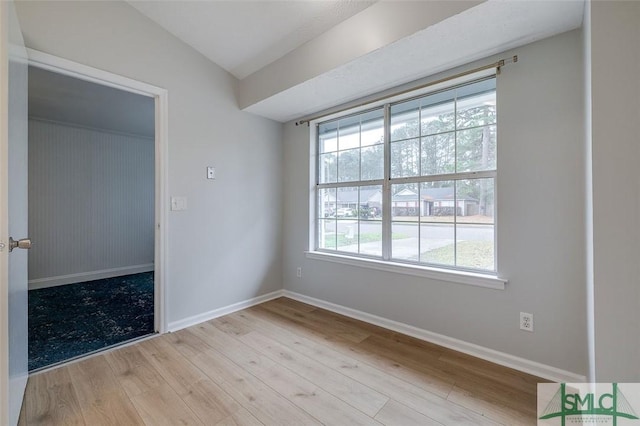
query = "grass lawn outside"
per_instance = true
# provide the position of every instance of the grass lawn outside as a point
(471, 254)
(474, 254)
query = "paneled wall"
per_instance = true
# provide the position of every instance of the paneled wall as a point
(91, 204)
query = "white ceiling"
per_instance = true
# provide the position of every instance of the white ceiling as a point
(244, 36)
(248, 37)
(487, 29)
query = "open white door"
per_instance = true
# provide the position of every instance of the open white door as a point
(13, 215)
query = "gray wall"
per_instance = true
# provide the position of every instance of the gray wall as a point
(541, 220)
(615, 125)
(91, 199)
(226, 247)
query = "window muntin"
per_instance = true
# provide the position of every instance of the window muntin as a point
(351, 149)
(439, 181)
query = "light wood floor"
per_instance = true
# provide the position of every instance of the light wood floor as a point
(281, 363)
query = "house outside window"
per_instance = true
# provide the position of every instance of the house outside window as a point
(412, 181)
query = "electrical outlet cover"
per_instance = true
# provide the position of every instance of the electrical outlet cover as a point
(526, 321)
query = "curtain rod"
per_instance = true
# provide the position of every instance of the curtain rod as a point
(497, 65)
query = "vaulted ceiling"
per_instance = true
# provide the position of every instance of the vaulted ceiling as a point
(295, 58)
(244, 36)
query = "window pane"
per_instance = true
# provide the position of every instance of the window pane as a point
(326, 203)
(476, 150)
(404, 120)
(370, 203)
(347, 202)
(372, 128)
(475, 229)
(371, 238)
(404, 241)
(437, 244)
(327, 137)
(438, 154)
(349, 165)
(474, 246)
(442, 223)
(475, 198)
(405, 157)
(372, 162)
(370, 214)
(404, 202)
(327, 234)
(438, 118)
(476, 110)
(349, 137)
(327, 168)
(347, 237)
(437, 201)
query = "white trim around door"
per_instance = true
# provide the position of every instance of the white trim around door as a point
(161, 96)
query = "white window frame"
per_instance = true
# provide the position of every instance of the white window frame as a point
(488, 279)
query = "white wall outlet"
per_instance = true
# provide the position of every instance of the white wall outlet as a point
(211, 172)
(526, 321)
(299, 272)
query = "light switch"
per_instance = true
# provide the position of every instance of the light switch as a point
(178, 203)
(211, 173)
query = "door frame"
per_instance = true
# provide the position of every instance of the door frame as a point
(83, 72)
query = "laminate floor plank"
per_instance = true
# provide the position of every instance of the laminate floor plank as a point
(50, 399)
(394, 413)
(437, 383)
(352, 392)
(230, 326)
(162, 406)
(325, 325)
(241, 418)
(178, 372)
(294, 304)
(256, 397)
(427, 403)
(244, 387)
(102, 400)
(307, 395)
(391, 353)
(133, 371)
(187, 343)
(210, 402)
(464, 363)
(503, 413)
(484, 383)
(283, 362)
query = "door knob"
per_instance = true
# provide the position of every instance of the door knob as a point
(24, 243)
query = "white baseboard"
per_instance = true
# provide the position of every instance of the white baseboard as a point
(89, 276)
(507, 360)
(206, 316)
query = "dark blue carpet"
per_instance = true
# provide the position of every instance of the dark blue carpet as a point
(75, 319)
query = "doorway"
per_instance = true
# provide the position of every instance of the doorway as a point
(95, 276)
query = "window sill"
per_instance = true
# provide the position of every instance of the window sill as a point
(460, 277)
